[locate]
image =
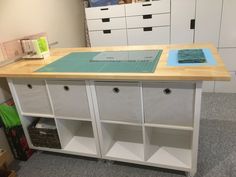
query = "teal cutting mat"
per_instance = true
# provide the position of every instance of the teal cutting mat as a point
(143, 61)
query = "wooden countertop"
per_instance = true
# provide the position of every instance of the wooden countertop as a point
(26, 68)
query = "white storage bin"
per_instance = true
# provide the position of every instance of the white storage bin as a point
(33, 97)
(69, 99)
(108, 38)
(148, 36)
(169, 103)
(105, 12)
(118, 101)
(106, 23)
(155, 7)
(148, 20)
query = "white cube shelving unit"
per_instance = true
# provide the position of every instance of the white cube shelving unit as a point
(143, 122)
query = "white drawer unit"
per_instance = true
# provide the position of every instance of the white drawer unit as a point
(106, 23)
(154, 7)
(105, 12)
(174, 103)
(148, 20)
(228, 24)
(33, 97)
(229, 57)
(148, 35)
(226, 86)
(69, 99)
(108, 38)
(119, 101)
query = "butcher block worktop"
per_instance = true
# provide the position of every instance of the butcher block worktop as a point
(163, 71)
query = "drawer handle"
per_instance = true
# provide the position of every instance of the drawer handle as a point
(29, 86)
(167, 91)
(147, 29)
(104, 9)
(116, 90)
(192, 24)
(106, 31)
(147, 5)
(66, 88)
(106, 20)
(147, 16)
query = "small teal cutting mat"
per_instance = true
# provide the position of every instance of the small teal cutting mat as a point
(173, 59)
(143, 61)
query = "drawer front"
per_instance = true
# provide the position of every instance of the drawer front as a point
(161, 6)
(108, 38)
(119, 101)
(69, 99)
(148, 20)
(105, 12)
(149, 35)
(106, 23)
(169, 103)
(226, 86)
(229, 57)
(228, 25)
(33, 96)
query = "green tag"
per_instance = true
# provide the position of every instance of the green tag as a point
(43, 45)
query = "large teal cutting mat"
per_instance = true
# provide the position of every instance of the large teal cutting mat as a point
(143, 61)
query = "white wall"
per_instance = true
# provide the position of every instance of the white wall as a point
(63, 20)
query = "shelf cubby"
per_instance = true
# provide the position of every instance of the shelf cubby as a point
(122, 142)
(168, 147)
(77, 136)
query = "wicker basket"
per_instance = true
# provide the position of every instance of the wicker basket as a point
(42, 137)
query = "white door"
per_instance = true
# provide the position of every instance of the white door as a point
(208, 18)
(228, 24)
(182, 21)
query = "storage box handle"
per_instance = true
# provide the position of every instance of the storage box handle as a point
(105, 19)
(146, 5)
(149, 16)
(29, 86)
(104, 9)
(116, 90)
(147, 29)
(167, 91)
(66, 88)
(106, 31)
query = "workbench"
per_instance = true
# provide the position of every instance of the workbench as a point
(150, 118)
